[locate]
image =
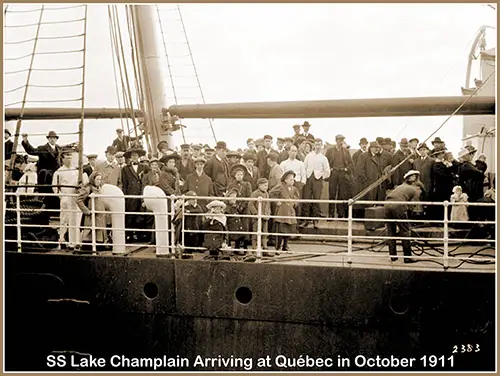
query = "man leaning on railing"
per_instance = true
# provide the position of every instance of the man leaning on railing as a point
(408, 191)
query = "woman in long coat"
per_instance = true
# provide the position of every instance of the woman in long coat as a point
(285, 190)
(85, 204)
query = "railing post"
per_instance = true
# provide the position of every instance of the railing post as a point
(183, 223)
(445, 234)
(259, 228)
(18, 221)
(92, 213)
(349, 230)
(172, 244)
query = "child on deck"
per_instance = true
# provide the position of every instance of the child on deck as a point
(459, 212)
(261, 191)
(285, 190)
(235, 223)
(192, 221)
(215, 221)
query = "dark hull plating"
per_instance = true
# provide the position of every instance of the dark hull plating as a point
(98, 305)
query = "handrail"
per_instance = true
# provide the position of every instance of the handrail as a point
(447, 256)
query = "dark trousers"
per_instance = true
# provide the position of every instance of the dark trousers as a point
(312, 190)
(340, 188)
(300, 187)
(397, 212)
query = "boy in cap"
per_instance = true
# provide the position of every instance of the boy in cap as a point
(235, 222)
(252, 172)
(286, 191)
(404, 192)
(193, 221)
(215, 221)
(91, 165)
(251, 146)
(282, 150)
(261, 191)
(109, 169)
(275, 171)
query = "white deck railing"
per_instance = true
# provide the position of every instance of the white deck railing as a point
(174, 246)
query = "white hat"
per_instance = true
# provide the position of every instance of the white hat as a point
(215, 204)
(32, 158)
(410, 173)
(465, 152)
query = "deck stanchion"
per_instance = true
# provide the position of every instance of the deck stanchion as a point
(183, 207)
(94, 245)
(259, 227)
(445, 234)
(172, 227)
(18, 215)
(349, 230)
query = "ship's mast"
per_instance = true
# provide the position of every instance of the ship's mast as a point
(152, 79)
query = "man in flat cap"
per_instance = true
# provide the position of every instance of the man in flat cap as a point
(121, 142)
(109, 169)
(217, 168)
(400, 155)
(296, 132)
(251, 146)
(199, 182)
(196, 151)
(90, 167)
(185, 165)
(341, 176)
(48, 163)
(281, 150)
(261, 162)
(308, 136)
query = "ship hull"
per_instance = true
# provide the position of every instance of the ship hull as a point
(147, 307)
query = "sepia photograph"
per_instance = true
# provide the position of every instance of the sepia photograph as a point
(249, 187)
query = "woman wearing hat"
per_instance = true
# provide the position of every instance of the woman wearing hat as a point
(408, 191)
(171, 174)
(285, 190)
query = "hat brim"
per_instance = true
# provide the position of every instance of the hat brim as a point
(49, 136)
(128, 153)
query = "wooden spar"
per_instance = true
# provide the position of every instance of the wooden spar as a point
(151, 66)
(379, 107)
(383, 107)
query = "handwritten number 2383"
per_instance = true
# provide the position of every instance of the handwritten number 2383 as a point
(466, 348)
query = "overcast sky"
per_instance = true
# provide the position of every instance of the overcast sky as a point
(273, 52)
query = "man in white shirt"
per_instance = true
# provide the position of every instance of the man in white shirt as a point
(70, 215)
(293, 164)
(317, 170)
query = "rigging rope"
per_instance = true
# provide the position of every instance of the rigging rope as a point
(23, 102)
(393, 169)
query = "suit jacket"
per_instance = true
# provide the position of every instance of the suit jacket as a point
(261, 163)
(110, 174)
(252, 179)
(218, 171)
(309, 136)
(201, 185)
(370, 168)
(184, 171)
(397, 176)
(132, 181)
(48, 160)
(8, 149)
(356, 155)
(425, 168)
(333, 154)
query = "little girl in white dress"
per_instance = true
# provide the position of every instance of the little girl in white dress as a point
(459, 212)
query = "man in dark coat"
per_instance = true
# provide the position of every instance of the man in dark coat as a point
(185, 165)
(370, 168)
(341, 176)
(442, 177)
(399, 156)
(252, 173)
(8, 144)
(470, 178)
(282, 151)
(296, 132)
(306, 134)
(363, 148)
(437, 143)
(90, 167)
(48, 163)
(199, 182)
(217, 168)
(131, 178)
(424, 164)
(121, 142)
(261, 162)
